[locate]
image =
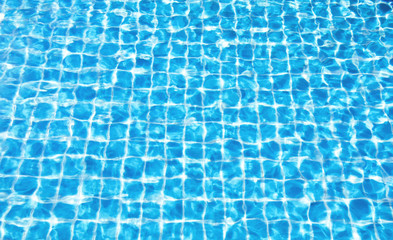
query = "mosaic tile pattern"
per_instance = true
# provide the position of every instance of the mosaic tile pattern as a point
(230, 119)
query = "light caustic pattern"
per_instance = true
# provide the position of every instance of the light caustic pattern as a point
(224, 119)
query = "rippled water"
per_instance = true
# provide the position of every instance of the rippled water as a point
(194, 119)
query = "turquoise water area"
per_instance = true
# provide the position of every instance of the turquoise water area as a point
(224, 119)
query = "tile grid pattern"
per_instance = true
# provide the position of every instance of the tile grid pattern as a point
(241, 133)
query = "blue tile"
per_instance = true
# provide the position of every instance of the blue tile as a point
(61, 231)
(360, 209)
(38, 230)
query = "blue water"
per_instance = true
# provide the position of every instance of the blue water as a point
(259, 119)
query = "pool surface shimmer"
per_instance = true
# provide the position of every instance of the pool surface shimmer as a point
(197, 119)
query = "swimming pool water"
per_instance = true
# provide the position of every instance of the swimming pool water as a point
(229, 119)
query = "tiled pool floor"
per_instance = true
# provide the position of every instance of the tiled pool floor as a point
(260, 119)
